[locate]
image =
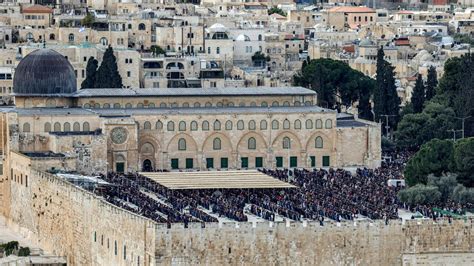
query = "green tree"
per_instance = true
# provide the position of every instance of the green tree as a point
(379, 92)
(434, 157)
(418, 96)
(445, 183)
(157, 50)
(91, 72)
(88, 20)
(464, 161)
(463, 38)
(420, 194)
(259, 59)
(463, 195)
(24, 252)
(276, 10)
(107, 74)
(431, 83)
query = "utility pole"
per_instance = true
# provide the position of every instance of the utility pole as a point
(462, 121)
(454, 133)
(387, 126)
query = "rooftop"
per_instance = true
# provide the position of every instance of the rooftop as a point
(37, 9)
(351, 9)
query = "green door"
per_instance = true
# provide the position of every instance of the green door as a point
(224, 163)
(245, 162)
(326, 161)
(175, 163)
(293, 161)
(313, 161)
(279, 161)
(258, 162)
(120, 167)
(209, 163)
(189, 163)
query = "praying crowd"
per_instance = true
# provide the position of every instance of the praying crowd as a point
(334, 193)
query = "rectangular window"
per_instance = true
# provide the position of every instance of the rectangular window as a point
(279, 161)
(120, 167)
(326, 161)
(129, 74)
(245, 162)
(26, 181)
(189, 163)
(224, 163)
(313, 161)
(258, 162)
(174, 163)
(209, 163)
(293, 161)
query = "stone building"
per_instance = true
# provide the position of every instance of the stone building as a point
(177, 128)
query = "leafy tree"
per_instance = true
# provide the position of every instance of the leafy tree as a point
(24, 252)
(337, 84)
(276, 10)
(463, 38)
(420, 194)
(463, 195)
(434, 157)
(91, 72)
(108, 75)
(157, 50)
(259, 59)
(418, 96)
(445, 183)
(386, 100)
(464, 161)
(431, 83)
(88, 20)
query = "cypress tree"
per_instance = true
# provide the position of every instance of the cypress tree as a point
(380, 88)
(108, 75)
(418, 96)
(392, 101)
(91, 72)
(431, 83)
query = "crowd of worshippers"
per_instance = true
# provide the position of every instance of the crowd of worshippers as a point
(335, 193)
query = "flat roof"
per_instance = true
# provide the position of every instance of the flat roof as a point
(243, 179)
(198, 92)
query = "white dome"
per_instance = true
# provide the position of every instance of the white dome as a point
(217, 27)
(242, 38)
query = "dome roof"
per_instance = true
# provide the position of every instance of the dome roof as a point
(44, 72)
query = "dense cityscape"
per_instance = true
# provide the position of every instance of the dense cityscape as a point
(143, 132)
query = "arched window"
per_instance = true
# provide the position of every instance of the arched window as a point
(309, 124)
(260, 37)
(128, 105)
(147, 125)
(328, 123)
(117, 105)
(197, 105)
(307, 103)
(185, 105)
(208, 104)
(253, 104)
(151, 105)
(76, 127)
(228, 125)
(217, 125)
(104, 41)
(26, 127)
(67, 127)
(47, 127)
(57, 127)
(252, 125)
(141, 26)
(297, 103)
(264, 104)
(162, 105)
(97, 105)
(297, 124)
(219, 104)
(170, 126)
(182, 126)
(231, 104)
(140, 105)
(275, 124)
(205, 126)
(106, 105)
(286, 124)
(52, 37)
(252, 144)
(318, 143)
(29, 36)
(86, 127)
(242, 104)
(87, 106)
(240, 125)
(71, 37)
(181, 144)
(286, 103)
(194, 126)
(275, 104)
(263, 125)
(286, 143)
(159, 125)
(319, 124)
(216, 144)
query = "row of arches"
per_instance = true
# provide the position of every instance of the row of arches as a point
(196, 105)
(58, 127)
(240, 125)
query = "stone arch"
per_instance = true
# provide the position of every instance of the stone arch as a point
(226, 144)
(327, 143)
(251, 155)
(172, 152)
(190, 142)
(149, 149)
(277, 141)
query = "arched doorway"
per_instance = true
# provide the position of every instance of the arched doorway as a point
(147, 166)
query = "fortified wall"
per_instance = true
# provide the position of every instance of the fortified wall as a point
(69, 221)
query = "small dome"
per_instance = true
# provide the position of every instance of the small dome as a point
(44, 72)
